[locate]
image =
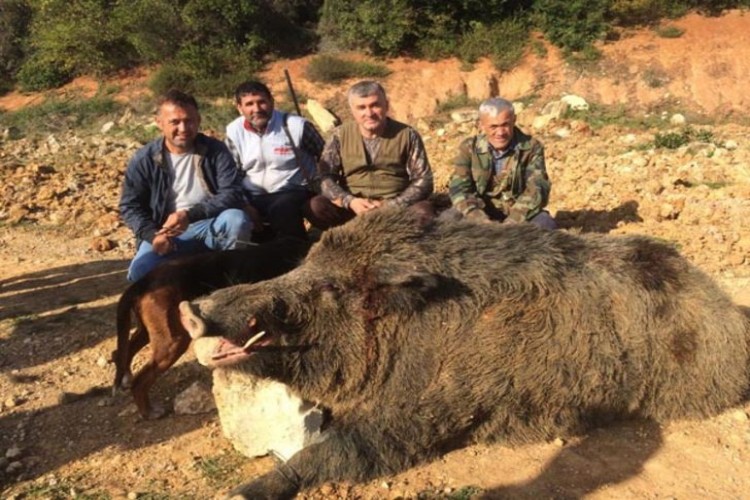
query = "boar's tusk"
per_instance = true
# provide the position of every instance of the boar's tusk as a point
(253, 339)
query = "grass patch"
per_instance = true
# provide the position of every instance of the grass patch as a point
(220, 470)
(59, 114)
(59, 490)
(674, 140)
(330, 69)
(456, 101)
(670, 31)
(598, 116)
(655, 77)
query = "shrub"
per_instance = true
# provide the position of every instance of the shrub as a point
(673, 140)
(328, 69)
(572, 24)
(504, 42)
(670, 31)
(455, 102)
(171, 76)
(38, 73)
(378, 26)
(15, 16)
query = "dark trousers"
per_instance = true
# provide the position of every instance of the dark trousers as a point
(543, 219)
(283, 212)
(323, 214)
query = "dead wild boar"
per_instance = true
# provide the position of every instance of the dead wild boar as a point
(421, 338)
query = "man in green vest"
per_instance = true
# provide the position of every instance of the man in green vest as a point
(499, 175)
(369, 163)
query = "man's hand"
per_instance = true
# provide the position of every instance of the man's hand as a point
(162, 243)
(362, 205)
(175, 224)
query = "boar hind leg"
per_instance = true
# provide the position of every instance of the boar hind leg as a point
(347, 455)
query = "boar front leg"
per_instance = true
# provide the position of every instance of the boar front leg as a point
(354, 454)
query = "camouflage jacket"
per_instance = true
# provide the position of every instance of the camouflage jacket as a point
(520, 191)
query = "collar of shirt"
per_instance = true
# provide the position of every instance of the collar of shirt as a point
(499, 158)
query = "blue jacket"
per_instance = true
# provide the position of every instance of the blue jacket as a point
(146, 192)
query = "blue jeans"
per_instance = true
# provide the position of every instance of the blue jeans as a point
(232, 228)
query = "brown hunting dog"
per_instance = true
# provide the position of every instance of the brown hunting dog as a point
(154, 300)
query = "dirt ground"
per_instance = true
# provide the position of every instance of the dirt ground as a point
(57, 298)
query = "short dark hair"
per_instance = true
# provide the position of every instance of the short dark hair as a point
(251, 87)
(178, 98)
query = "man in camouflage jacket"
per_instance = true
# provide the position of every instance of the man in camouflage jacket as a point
(500, 174)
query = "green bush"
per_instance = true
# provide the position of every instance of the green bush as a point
(504, 42)
(673, 140)
(38, 73)
(171, 76)
(15, 17)
(670, 31)
(378, 26)
(328, 69)
(572, 24)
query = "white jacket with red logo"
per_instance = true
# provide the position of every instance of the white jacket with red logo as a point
(268, 159)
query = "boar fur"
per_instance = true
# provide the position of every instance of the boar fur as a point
(421, 338)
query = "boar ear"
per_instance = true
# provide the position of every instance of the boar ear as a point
(406, 275)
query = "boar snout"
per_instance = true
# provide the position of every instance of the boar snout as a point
(192, 322)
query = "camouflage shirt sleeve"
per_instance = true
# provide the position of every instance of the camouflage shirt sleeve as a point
(420, 174)
(330, 170)
(462, 187)
(536, 187)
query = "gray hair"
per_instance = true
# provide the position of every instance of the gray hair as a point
(496, 105)
(365, 88)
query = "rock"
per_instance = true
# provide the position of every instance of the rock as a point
(730, 145)
(740, 416)
(101, 362)
(563, 132)
(324, 119)
(677, 119)
(559, 442)
(541, 122)
(107, 127)
(194, 400)
(259, 415)
(576, 103)
(465, 116)
(13, 452)
(101, 244)
(555, 109)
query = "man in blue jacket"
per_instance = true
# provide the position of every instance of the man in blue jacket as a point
(182, 193)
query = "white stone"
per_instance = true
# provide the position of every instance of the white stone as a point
(541, 122)
(107, 127)
(324, 119)
(576, 103)
(465, 116)
(678, 119)
(562, 133)
(555, 109)
(730, 144)
(260, 415)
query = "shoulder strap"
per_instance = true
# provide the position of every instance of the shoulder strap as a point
(305, 173)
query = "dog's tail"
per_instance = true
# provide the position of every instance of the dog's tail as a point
(121, 355)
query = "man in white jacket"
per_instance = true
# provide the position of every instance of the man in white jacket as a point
(278, 153)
